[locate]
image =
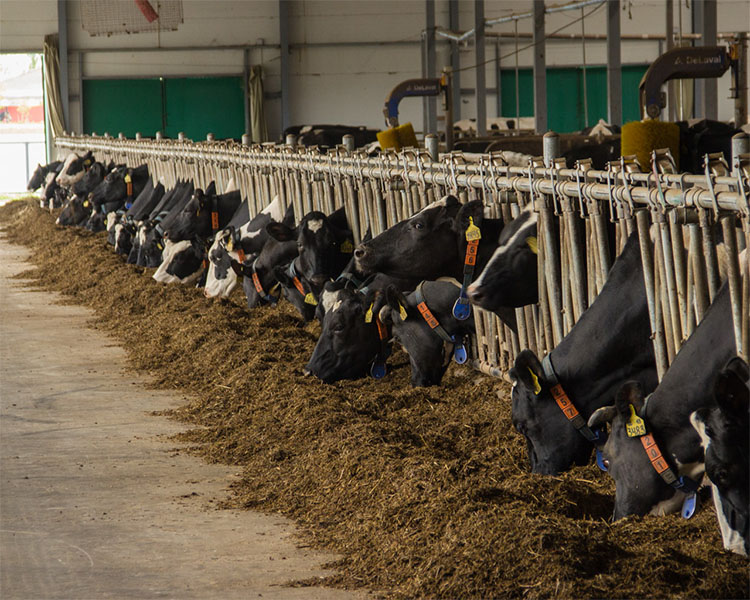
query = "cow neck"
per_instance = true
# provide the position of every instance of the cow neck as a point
(611, 340)
(459, 349)
(378, 368)
(265, 296)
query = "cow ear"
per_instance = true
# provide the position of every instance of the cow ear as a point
(473, 210)
(630, 392)
(396, 300)
(281, 275)
(338, 219)
(385, 314)
(602, 416)
(288, 219)
(731, 390)
(211, 189)
(450, 208)
(281, 232)
(368, 235)
(528, 370)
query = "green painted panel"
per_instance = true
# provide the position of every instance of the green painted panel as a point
(122, 105)
(201, 105)
(565, 95)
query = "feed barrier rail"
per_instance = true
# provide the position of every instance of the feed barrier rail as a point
(692, 228)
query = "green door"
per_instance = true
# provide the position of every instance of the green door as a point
(193, 105)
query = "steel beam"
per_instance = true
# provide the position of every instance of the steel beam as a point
(62, 33)
(480, 85)
(669, 34)
(453, 22)
(428, 69)
(498, 81)
(284, 43)
(614, 64)
(540, 70)
(709, 31)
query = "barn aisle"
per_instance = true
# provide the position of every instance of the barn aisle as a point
(93, 504)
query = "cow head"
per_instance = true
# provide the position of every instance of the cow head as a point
(348, 343)
(50, 187)
(150, 244)
(423, 246)
(195, 218)
(261, 288)
(552, 443)
(296, 289)
(74, 168)
(124, 233)
(97, 221)
(90, 180)
(724, 435)
(639, 488)
(37, 177)
(324, 245)
(510, 277)
(182, 262)
(429, 354)
(75, 212)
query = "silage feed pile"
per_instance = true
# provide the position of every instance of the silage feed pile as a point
(422, 492)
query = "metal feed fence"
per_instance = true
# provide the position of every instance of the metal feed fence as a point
(684, 221)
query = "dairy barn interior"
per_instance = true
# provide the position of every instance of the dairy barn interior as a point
(389, 299)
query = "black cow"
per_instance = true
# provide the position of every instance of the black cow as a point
(240, 238)
(125, 226)
(39, 176)
(324, 245)
(725, 435)
(608, 345)
(686, 387)
(90, 180)
(423, 323)
(119, 188)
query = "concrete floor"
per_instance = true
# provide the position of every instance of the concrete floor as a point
(93, 504)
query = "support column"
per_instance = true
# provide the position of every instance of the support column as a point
(540, 70)
(498, 82)
(246, 86)
(62, 32)
(710, 85)
(481, 85)
(284, 43)
(614, 64)
(428, 68)
(455, 59)
(669, 31)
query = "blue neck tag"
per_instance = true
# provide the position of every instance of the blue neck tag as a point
(600, 460)
(688, 506)
(462, 308)
(459, 353)
(378, 370)
(128, 205)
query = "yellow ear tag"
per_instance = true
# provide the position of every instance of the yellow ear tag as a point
(535, 381)
(230, 244)
(635, 426)
(402, 312)
(85, 204)
(347, 247)
(310, 299)
(127, 179)
(368, 314)
(472, 231)
(531, 243)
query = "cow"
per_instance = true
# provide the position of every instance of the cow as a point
(652, 435)
(509, 278)
(324, 245)
(123, 227)
(241, 237)
(424, 324)
(724, 430)
(39, 176)
(76, 210)
(74, 167)
(259, 279)
(608, 345)
(120, 187)
(149, 241)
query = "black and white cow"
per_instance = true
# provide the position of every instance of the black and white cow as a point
(258, 271)
(423, 323)
(240, 238)
(123, 227)
(725, 435)
(608, 345)
(509, 278)
(148, 244)
(39, 176)
(686, 387)
(73, 169)
(76, 211)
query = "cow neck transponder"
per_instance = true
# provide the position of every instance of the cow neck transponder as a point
(684, 484)
(461, 309)
(128, 188)
(570, 411)
(459, 349)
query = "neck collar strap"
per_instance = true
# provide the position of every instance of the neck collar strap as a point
(459, 349)
(214, 214)
(379, 368)
(266, 297)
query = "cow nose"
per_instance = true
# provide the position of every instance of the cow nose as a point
(475, 293)
(360, 252)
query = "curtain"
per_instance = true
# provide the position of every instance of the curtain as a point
(258, 130)
(52, 97)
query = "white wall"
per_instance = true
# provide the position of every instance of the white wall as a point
(346, 54)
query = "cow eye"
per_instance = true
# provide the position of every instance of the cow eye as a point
(418, 225)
